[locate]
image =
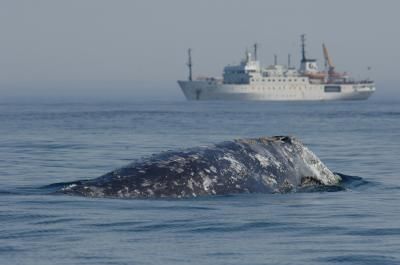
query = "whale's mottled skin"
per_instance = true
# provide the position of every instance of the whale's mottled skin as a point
(263, 165)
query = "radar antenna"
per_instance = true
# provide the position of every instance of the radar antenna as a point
(189, 63)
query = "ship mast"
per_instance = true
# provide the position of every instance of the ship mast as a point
(189, 63)
(255, 51)
(303, 48)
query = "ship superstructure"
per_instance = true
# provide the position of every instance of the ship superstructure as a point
(250, 81)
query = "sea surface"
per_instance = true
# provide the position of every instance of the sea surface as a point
(42, 144)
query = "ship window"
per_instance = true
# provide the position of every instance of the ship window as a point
(290, 80)
(263, 80)
(333, 89)
(273, 80)
(279, 80)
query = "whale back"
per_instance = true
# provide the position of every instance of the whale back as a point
(263, 165)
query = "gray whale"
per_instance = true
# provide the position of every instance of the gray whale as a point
(276, 164)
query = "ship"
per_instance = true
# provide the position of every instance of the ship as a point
(250, 81)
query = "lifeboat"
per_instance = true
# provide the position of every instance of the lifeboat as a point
(316, 75)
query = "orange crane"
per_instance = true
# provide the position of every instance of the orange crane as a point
(328, 63)
(328, 60)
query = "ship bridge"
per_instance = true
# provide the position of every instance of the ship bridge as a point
(242, 73)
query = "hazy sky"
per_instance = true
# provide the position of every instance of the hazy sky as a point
(139, 47)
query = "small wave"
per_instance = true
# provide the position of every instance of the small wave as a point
(34, 234)
(10, 249)
(56, 221)
(376, 232)
(361, 259)
(228, 227)
(321, 188)
(7, 192)
(115, 224)
(56, 187)
(354, 182)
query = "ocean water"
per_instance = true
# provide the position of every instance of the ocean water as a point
(42, 144)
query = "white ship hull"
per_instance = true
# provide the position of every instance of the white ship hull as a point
(302, 91)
